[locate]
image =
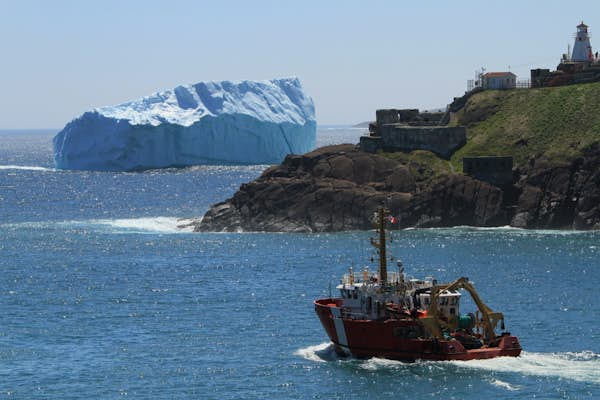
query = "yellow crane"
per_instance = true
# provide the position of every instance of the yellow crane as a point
(433, 322)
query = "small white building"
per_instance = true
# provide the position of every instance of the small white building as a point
(499, 80)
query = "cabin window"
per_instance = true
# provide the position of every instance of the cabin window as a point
(426, 301)
(354, 294)
(443, 301)
(452, 310)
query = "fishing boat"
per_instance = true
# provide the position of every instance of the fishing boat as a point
(389, 315)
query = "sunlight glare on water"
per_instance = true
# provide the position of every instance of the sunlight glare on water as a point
(103, 296)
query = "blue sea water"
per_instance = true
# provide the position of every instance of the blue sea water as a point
(101, 296)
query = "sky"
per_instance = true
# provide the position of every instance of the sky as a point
(60, 58)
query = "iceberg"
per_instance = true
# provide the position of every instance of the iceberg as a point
(227, 122)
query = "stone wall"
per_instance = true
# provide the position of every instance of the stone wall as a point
(409, 116)
(440, 140)
(566, 74)
(394, 116)
(490, 169)
(408, 130)
(370, 144)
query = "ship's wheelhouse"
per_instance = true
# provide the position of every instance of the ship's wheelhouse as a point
(448, 304)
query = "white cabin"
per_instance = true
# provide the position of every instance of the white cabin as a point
(362, 297)
(499, 80)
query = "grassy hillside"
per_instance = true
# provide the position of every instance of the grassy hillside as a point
(424, 165)
(553, 122)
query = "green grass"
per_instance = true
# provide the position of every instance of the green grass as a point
(423, 165)
(556, 123)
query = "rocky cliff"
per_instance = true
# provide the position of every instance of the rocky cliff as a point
(566, 195)
(338, 188)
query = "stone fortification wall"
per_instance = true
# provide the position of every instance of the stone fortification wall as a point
(441, 140)
(567, 74)
(393, 116)
(370, 144)
(395, 137)
(431, 118)
(411, 117)
(408, 130)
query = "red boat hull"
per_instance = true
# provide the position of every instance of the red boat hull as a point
(387, 338)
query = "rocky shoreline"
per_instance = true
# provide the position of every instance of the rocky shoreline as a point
(337, 188)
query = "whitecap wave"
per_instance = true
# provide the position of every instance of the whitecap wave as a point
(319, 353)
(504, 385)
(581, 367)
(123, 225)
(144, 225)
(26, 168)
(375, 364)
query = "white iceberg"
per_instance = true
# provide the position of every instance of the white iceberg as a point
(245, 122)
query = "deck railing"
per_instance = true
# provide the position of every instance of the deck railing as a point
(370, 277)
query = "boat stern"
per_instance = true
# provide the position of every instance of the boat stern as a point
(509, 346)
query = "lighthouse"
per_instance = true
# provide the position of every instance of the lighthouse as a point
(582, 49)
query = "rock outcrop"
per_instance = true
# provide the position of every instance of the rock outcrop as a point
(560, 196)
(338, 188)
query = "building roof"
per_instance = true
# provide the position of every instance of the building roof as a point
(582, 25)
(497, 74)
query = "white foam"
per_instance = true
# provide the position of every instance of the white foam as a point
(504, 385)
(146, 224)
(319, 353)
(374, 364)
(123, 225)
(581, 367)
(26, 168)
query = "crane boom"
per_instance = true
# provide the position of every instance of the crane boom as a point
(489, 318)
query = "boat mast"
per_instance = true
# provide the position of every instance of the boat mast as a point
(380, 245)
(382, 255)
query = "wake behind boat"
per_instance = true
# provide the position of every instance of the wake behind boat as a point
(386, 315)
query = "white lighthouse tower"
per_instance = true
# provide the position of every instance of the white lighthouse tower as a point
(582, 50)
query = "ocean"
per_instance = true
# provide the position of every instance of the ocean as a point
(102, 296)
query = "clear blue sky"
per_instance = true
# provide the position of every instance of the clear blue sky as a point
(60, 58)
